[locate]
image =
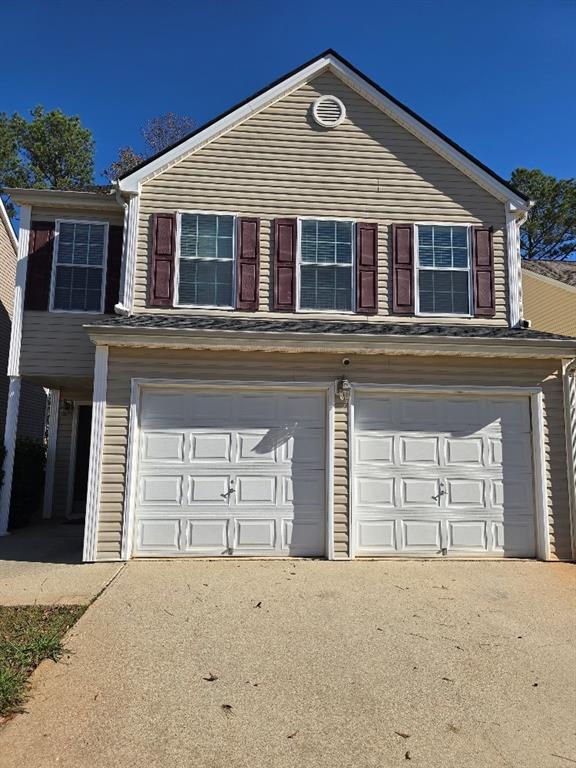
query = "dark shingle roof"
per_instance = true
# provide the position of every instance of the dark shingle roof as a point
(256, 325)
(564, 271)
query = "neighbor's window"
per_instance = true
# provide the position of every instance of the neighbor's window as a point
(326, 264)
(78, 279)
(206, 263)
(443, 270)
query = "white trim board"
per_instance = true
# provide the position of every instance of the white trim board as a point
(8, 224)
(327, 62)
(137, 385)
(536, 398)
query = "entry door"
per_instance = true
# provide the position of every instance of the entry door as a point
(443, 476)
(231, 473)
(81, 461)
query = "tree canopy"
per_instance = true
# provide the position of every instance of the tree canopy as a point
(550, 230)
(158, 133)
(49, 151)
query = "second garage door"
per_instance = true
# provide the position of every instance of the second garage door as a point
(443, 475)
(231, 472)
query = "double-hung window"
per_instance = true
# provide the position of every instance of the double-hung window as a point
(206, 260)
(78, 273)
(443, 270)
(326, 265)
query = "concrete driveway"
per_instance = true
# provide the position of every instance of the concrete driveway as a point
(245, 663)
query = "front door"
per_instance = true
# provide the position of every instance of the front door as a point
(82, 459)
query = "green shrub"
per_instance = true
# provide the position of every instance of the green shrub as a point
(27, 481)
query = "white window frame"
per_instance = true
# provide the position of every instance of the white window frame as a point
(305, 310)
(176, 286)
(104, 267)
(417, 269)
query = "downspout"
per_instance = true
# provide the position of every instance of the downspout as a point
(569, 386)
(120, 308)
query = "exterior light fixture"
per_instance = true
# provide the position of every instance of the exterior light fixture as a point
(343, 389)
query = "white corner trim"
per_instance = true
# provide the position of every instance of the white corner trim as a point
(569, 381)
(10, 430)
(53, 419)
(129, 247)
(543, 550)
(19, 291)
(8, 224)
(514, 266)
(330, 425)
(96, 446)
(350, 469)
(131, 473)
(365, 89)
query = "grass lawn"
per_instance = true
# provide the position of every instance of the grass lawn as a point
(28, 635)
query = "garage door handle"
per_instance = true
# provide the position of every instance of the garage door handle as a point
(229, 492)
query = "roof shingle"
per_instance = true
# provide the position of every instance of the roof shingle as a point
(563, 271)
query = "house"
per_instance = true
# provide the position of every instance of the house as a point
(299, 331)
(32, 413)
(549, 295)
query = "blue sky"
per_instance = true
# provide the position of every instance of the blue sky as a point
(497, 76)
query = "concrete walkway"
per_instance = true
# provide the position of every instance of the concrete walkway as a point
(283, 664)
(42, 565)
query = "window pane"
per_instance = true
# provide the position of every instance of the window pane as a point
(443, 247)
(326, 287)
(444, 292)
(78, 289)
(205, 282)
(81, 244)
(206, 236)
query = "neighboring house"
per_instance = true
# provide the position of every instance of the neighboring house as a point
(32, 417)
(299, 331)
(549, 293)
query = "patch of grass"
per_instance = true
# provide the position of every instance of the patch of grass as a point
(28, 635)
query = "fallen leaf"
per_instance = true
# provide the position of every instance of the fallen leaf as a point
(534, 685)
(227, 710)
(404, 735)
(210, 678)
(453, 728)
(258, 605)
(379, 629)
(448, 679)
(291, 735)
(408, 756)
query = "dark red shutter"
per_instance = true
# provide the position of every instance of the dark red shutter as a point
(483, 272)
(247, 263)
(113, 267)
(403, 269)
(39, 269)
(285, 236)
(162, 260)
(367, 268)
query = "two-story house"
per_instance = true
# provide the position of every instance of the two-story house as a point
(298, 331)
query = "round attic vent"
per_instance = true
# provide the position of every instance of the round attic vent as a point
(328, 111)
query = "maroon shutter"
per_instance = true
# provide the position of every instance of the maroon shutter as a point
(247, 263)
(285, 236)
(483, 272)
(113, 267)
(162, 260)
(39, 269)
(367, 268)
(403, 269)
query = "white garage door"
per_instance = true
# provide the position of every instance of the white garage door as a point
(231, 472)
(443, 475)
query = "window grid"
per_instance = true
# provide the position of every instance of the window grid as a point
(325, 268)
(205, 270)
(77, 284)
(443, 291)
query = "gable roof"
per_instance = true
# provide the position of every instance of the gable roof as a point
(5, 219)
(562, 271)
(329, 60)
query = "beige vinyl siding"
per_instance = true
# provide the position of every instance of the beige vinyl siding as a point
(549, 304)
(124, 364)
(62, 462)
(7, 273)
(280, 163)
(56, 346)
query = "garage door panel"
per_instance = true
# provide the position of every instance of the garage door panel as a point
(231, 472)
(447, 474)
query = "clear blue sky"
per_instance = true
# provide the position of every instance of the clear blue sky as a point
(498, 76)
